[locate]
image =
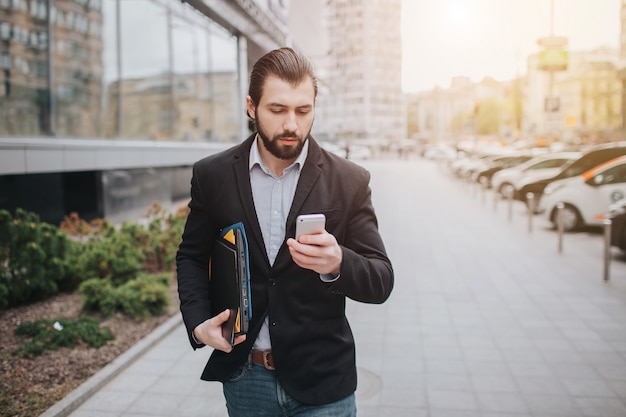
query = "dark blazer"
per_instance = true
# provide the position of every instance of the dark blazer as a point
(312, 344)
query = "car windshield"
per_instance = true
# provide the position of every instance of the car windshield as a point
(590, 160)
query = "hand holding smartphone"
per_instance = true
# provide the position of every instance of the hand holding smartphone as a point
(307, 224)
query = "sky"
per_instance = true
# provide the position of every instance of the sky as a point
(442, 39)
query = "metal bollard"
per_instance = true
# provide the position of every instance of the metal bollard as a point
(483, 184)
(530, 200)
(510, 198)
(607, 248)
(559, 224)
(496, 197)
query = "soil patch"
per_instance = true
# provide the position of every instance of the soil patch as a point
(28, 387)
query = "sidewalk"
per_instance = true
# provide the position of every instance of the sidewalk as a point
(486, 319)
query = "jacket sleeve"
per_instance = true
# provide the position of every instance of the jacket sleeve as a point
(192, 259)
(366, 272)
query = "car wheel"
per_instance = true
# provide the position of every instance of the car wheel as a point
(505, 189)
(571, 218)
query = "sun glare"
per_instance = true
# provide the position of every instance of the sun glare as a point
(459, 14)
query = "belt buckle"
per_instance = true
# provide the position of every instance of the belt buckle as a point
(266, 360)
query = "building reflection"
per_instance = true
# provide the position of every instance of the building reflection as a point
(62, 98)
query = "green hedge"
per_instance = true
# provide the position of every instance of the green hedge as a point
(109, 264)
(141, 297)
(35, 259)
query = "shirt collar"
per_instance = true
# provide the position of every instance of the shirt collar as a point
(255, 156)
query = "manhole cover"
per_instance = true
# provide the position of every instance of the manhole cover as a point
(369, 384)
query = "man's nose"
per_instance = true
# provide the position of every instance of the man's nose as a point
(290, 124)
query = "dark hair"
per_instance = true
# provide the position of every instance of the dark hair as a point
(286, 64)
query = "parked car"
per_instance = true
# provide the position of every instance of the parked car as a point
(356, 152)
(440, 152)
(587, 197)
(463, 167)
(589, 159)
(541, 166)
(617, 213)
(484, 174)
(334, 148)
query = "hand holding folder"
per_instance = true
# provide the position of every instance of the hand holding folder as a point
(229, 277)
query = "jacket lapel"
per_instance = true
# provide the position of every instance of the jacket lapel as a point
(242, 177)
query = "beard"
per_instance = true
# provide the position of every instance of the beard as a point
(276, 149)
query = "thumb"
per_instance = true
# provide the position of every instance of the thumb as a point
(223, 316)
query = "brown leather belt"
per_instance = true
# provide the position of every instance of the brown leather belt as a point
(263, 358)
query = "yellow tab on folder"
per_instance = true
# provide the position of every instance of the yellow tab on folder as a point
(238, 321)
(230, 236)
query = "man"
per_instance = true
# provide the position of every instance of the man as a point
(298, 357)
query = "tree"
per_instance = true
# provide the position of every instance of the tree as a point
(487, 114)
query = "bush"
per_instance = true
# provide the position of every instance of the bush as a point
(34, 259)
(140, 298)
(38, 260)
(109, 254)
(158, 241)
(99, 295)
(146, 296)
(42, 335)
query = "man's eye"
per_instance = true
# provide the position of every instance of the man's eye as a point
(276, 111)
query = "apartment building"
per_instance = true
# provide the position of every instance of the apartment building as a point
(364, 70)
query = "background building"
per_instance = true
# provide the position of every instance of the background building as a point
(589, 97)
(63, 98)
(622, 65)
(364, 70)
(582, 103)
(105, 104)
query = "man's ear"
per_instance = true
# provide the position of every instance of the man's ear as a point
(251, 107)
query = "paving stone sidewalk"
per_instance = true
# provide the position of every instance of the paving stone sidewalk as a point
(486, 319)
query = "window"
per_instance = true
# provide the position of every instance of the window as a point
(21, 65)
(614, 175)
(5, 31)
(5, 61)
(19, 5)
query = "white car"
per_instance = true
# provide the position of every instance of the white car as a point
(356, 152)
(462, 166)
(334, 148)
(542, 166)
(586, 197)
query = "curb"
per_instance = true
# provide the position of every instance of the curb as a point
(88, 388)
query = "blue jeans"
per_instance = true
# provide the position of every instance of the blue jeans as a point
(255, 391)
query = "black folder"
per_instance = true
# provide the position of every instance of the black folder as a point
(230, 281)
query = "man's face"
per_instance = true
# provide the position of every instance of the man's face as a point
(284, 116)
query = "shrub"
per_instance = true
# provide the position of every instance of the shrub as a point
(110, 254)
(99, 295)
(142, 297)
(34, 260)
(38, 260)
(43, 334)
(145, 296)
(158, 241)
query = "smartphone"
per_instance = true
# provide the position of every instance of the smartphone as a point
(307, 224)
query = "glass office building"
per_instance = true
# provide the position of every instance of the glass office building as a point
(104, 104)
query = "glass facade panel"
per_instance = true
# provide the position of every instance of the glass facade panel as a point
(131, 69)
